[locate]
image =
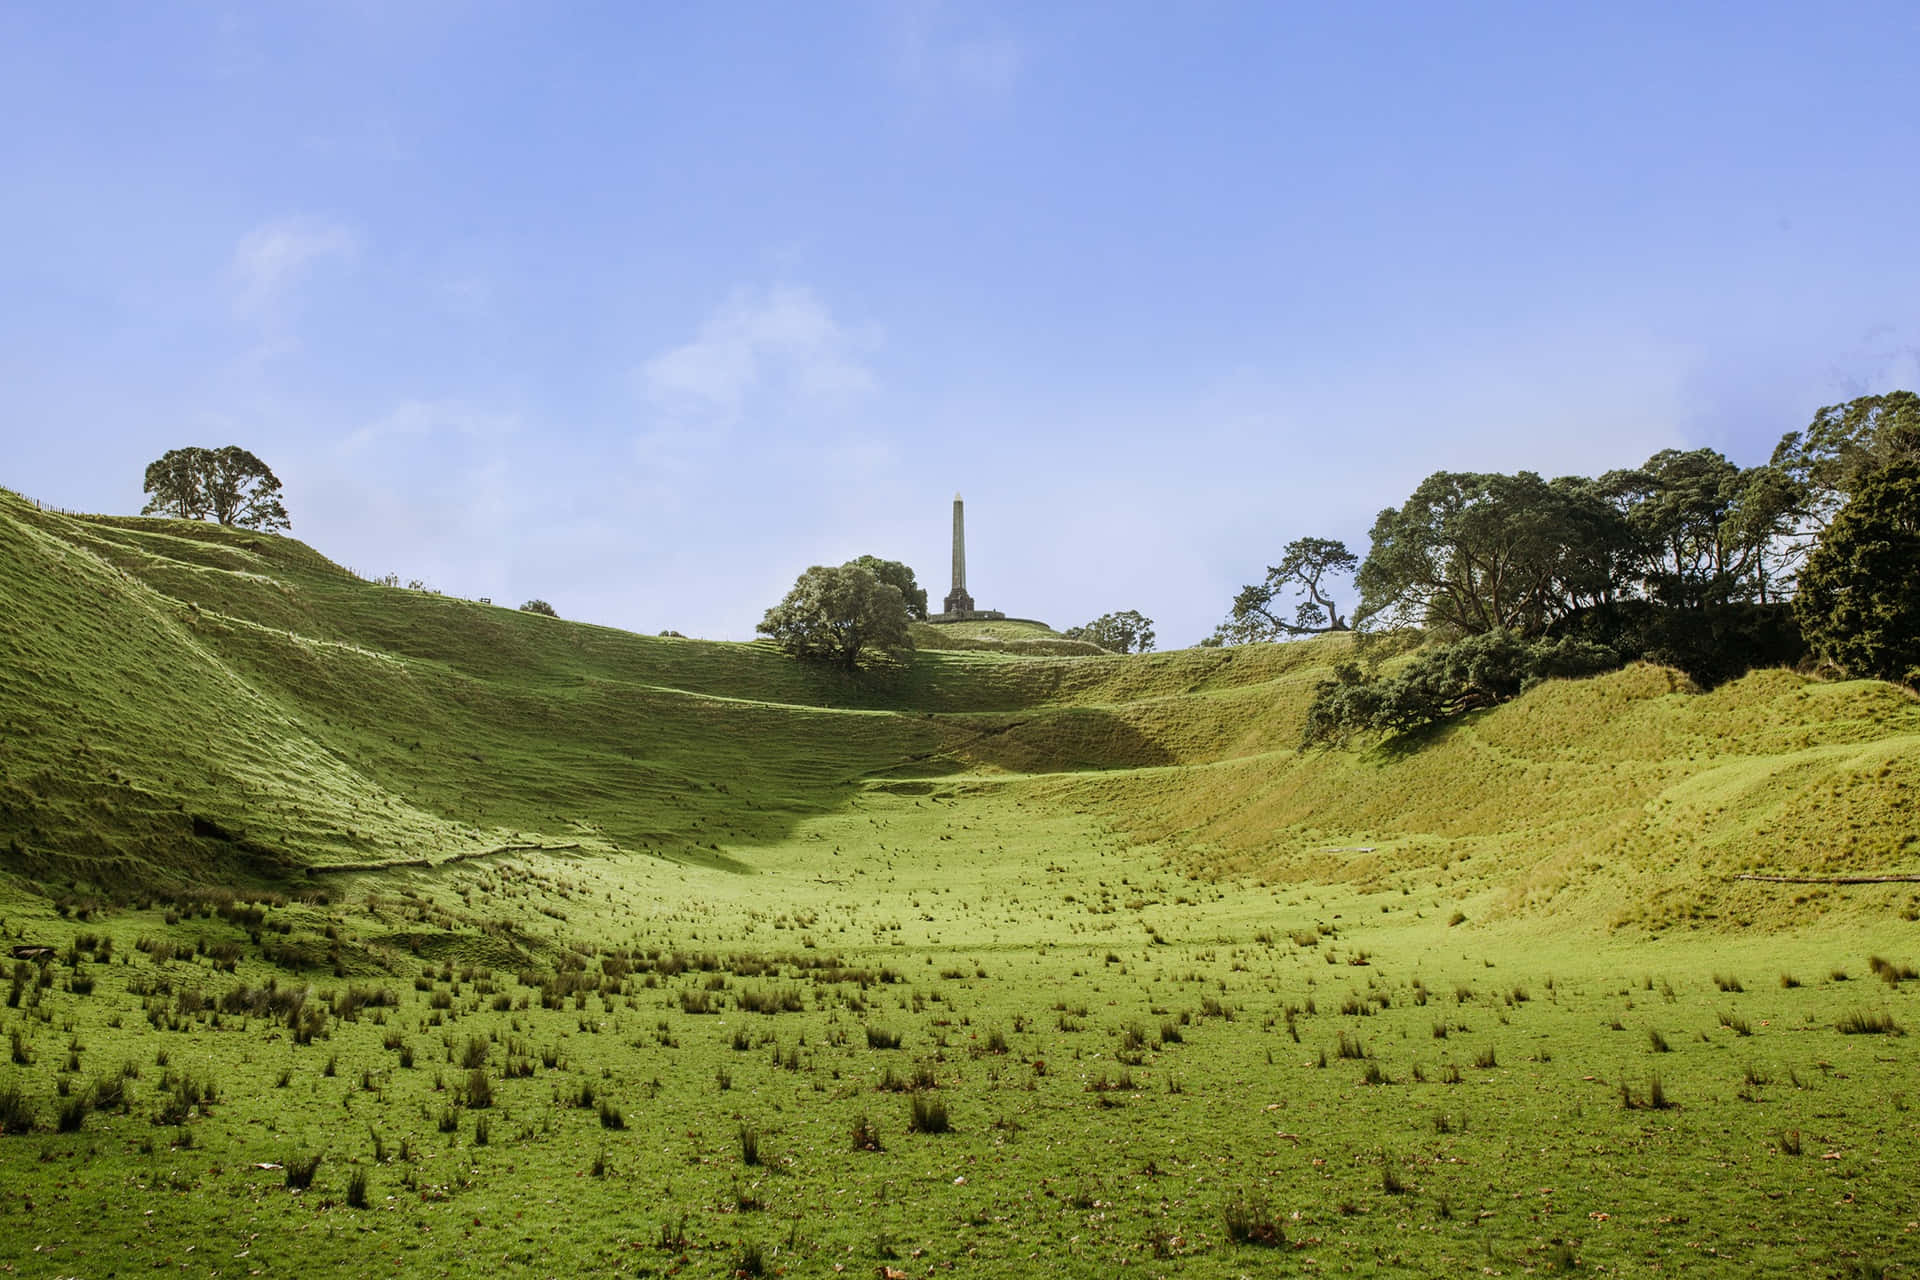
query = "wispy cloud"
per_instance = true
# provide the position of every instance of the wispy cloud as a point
(416, 418)
(942, 50)
(272, 260)
(782, 343)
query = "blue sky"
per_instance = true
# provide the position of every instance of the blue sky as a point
(645, 308)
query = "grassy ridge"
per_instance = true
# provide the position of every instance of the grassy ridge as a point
(186, 701)
(1625, 796)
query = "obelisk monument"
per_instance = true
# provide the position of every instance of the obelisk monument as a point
(958, 602)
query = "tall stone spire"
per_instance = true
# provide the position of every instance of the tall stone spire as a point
(958, 601)
(959, 544)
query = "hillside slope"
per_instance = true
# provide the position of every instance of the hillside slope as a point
(181, 702)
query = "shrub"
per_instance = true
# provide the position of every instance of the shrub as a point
(1445, 681)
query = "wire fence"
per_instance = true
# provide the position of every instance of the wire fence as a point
(38, 505)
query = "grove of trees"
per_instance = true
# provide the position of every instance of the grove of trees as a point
(1128, 631)
(1687, 559)
(229, 485)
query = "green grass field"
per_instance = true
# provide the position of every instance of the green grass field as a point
(365, 931)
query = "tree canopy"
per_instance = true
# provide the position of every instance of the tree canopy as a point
(1859, 598)
(1470, 553)
(1846, 443)
(228, 484)
(835, 614)
(898, 575)
(1699, 529)
(1126, 632)
(540, 607)
(1473, 552)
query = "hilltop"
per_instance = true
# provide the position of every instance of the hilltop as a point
(186, 703)
(999, 635)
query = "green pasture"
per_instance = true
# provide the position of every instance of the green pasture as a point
(539, 948)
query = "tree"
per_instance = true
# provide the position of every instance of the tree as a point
(898, 575)
(230, 484)
(1305, 565)
(175, 482)
(540, 607)
(1470, 553)
(1843, 445)
(836, 614)
(243, 491)
(1771, 506)
(1859, 598)
(1701, 527)
(1126, 632)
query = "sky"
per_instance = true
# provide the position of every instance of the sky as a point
(642, 309)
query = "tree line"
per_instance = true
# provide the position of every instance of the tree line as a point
(1687, 559)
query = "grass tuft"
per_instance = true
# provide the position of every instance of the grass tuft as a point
(300, 1170)
(1863, 1022)
(927, 1113)
(1249, 1221)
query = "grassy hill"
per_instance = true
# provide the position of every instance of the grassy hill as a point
(1002, 635)
(183, 702)
(352, 922)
